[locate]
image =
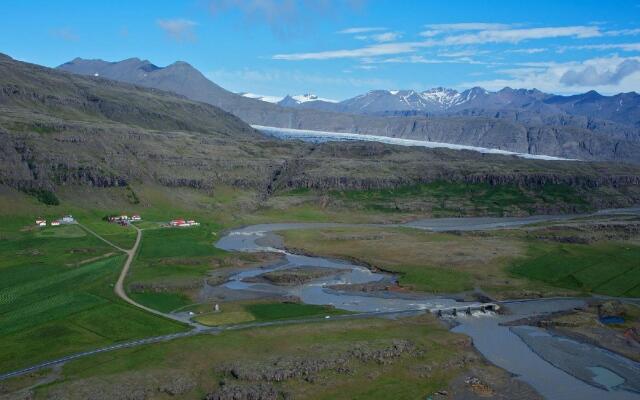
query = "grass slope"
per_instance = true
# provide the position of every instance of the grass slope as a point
(446, 198)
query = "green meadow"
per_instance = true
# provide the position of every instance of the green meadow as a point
(56, 296)
(450, 197)
(607, 268)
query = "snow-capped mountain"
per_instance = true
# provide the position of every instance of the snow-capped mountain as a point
(288, 100)
(268, 99)
(302, 99)
(432, 100)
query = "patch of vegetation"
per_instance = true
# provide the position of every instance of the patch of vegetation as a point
(275, 311)
(436, 280)
(44, 196)
(161, 301)
(296, 192)
(229, 314)
(447, 198)
(178, 242)
(38, 127)
(605, 268)
(132, 196)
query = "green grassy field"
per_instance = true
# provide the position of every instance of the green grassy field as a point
(54, 300)
(275, 311)
(175, 260)
(235, 313)
(606, 268)
(199, 358)
(165, 302)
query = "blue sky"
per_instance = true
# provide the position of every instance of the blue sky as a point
(341, 48)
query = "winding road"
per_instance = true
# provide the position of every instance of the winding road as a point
(119, 287)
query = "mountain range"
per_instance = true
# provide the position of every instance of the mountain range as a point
(588, 126)
(69, 133)
(623, 108)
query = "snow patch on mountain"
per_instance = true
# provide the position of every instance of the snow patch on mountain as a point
(446, 98)
(303, 98)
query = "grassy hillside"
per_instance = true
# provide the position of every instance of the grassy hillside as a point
(31, 90)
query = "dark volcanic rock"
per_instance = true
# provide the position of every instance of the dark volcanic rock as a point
(260, 391)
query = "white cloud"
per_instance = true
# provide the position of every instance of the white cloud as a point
(417, 59)
(430, 33)
(604, 46)
(468, 26)
(366, 67)
(178, 29)
(368, 51)
(592, 76)
(351, 31)
(623, 32)
(462, 53)
(534, 50)
(512, 36)
(387, 37)
(607, 74)
(518, 35)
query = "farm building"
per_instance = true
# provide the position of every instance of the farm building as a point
(55, 223)
(41, 222)
(136, 217)
(68, 219)
(181, 223)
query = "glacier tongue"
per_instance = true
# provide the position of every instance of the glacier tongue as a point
(323, 136)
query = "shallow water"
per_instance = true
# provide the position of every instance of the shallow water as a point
(527, 358)
(550, 364)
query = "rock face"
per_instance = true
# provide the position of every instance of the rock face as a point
(260, 391)
(131, 386)
(588, 127)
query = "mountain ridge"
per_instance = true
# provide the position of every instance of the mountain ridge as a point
(484, 125)
(59, 129)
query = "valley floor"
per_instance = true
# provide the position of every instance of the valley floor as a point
(58, 298)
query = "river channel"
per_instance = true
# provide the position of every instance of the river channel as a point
(557, 367)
